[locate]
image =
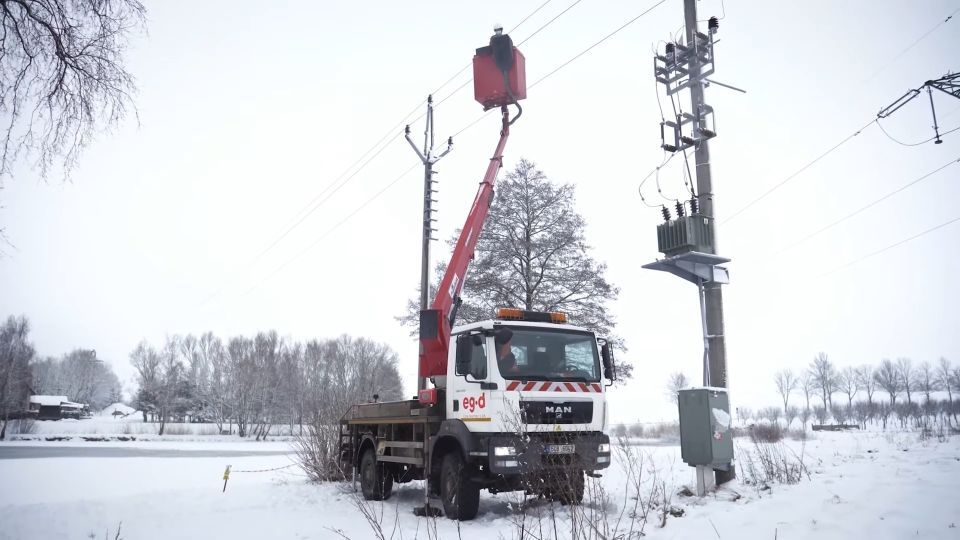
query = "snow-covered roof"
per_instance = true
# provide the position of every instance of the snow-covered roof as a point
(49, 401)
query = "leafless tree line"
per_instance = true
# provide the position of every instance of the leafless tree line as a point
(78, 375)
(897, 379)
(247, 384)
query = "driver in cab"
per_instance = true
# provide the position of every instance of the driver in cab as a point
(505, 358)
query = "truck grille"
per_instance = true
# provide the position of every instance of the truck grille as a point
(556, 412)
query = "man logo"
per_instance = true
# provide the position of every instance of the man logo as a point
(559, 410)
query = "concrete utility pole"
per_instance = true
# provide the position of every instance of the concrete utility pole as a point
(713, 295)
(689, 241)
(712, 292)
(428, 158)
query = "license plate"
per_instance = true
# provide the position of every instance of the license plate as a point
(560, 449)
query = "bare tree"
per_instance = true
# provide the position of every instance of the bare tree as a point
(944, 377)
(866, 381)
(16, 351)
(786, 382)
(62, 76)
(927, 380)
(849, 382)
(908, 377)
(824, 378)
(807, 387)
(771, 414)
(533, 254)
(888, 377)
(677, 381)
(791, 413)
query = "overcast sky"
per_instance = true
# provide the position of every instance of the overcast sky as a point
(248, 111)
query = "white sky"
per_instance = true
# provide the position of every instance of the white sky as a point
(249, 110)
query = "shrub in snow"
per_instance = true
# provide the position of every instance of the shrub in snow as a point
(769, 433)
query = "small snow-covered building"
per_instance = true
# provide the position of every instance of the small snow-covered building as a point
(55, 408)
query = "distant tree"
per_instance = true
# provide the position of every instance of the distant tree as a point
(824, 378)
(620, 431)
(62, 76)
(16, 352)
(908, 377)
(786, 382)
(636, 430)
(927, 380)
(80, 376)
(805, 416)
(884, 410)
(771, 414)
(849, 383)
(807, 386)
(839, 413)
(821, 414)
(790, 414)
(866, 381)
(677, 381)
(888, 377)
(944, 378)
(861, 412)
(744, 414)
(533, 254)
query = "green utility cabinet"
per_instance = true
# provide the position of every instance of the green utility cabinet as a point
(705, 438)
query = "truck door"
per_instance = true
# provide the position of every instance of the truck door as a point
(471, 394)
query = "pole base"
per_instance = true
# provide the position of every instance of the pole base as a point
(427, 511)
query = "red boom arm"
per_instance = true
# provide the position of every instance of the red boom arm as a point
(436, 322)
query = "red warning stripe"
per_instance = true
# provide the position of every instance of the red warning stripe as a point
(551, 386)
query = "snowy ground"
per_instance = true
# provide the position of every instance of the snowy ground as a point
(863, 485)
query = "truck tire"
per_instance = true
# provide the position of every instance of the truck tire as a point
(571, 489)
(375, 481)
(459, 493)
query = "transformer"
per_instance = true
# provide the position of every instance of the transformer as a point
(689, 233)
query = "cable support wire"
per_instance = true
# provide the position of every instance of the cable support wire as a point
(656, 170)
(867, 206)
(891, 246)
(797, 172)
(901, 143)
(332, 229)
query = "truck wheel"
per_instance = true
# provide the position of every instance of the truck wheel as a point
(571, 489)
(375, 481)
(459, 493)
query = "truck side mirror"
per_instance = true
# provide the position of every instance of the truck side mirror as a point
(464, 353)
(609, 367)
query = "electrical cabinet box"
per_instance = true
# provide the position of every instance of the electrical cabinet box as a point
(689, 233)
(705, 437)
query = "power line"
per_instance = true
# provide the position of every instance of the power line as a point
(912, 45)
(891, 246)
(331, 229)
(471, 124)
(867, 206)
(535, 32)
(376, 150)
(548, 23)
(604, 38)
(797, 173)
(568, 62)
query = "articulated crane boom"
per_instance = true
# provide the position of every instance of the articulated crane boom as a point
(436, 322)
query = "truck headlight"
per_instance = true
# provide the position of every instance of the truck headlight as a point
(604, 448)
(504, 451)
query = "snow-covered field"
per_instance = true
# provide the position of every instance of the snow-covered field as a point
(863, 485)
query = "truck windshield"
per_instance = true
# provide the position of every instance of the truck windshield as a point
(555, 355)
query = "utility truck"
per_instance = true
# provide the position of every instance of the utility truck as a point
(517, 402)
